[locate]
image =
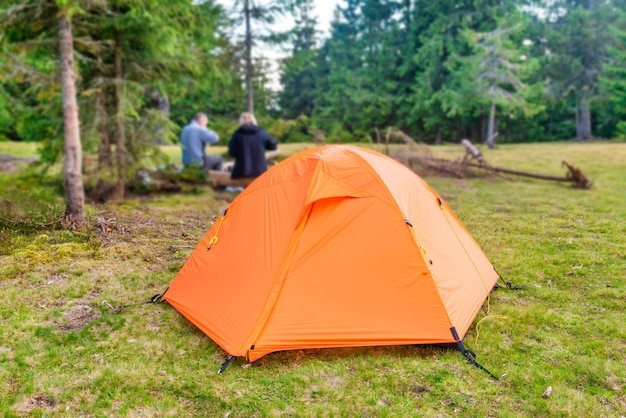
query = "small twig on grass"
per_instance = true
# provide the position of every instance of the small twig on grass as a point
(196, 227)
(7, 220)
(113, 309)
(104, 302)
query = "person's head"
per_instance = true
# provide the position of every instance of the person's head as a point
(201, 118)
(247, 119)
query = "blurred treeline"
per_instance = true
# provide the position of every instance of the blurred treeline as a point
(439, 70)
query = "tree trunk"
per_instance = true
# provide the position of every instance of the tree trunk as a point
(482, 133)
(507, 132)
(578, 131)
(104, 145)
(164, 108)
(585, 119)
(119, 124)
(72, 172)
(491, 130)
(438, 136)
(248, 54)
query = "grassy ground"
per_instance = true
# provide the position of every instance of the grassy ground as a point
(76, 339)
(18, 149)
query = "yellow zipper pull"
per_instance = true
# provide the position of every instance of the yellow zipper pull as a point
(214, 239)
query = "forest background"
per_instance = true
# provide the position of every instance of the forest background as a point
(104, 83)
(439, 71)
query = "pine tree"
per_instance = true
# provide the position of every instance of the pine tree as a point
(338, 68)
(356, 76)
(124, 49)
(613, 80)
(498, 69)
(579, 42)
(298, 70)
(254, 15)
(382, 51)
(18, 20)
(141, 48)
(72, 171)
(445, 99)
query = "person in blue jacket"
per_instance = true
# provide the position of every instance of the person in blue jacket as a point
(194, 138)
(248, 145)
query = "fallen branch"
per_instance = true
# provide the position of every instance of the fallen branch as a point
(421, 155)
(472, 150)
(574, 175)
(578, 182)
(454, 167)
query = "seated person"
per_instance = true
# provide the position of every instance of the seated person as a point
(247, 145)
(194, 138)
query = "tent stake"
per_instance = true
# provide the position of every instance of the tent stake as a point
(225, 365)
(469, 354)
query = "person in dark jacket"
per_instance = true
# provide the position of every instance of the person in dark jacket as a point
(248, 145)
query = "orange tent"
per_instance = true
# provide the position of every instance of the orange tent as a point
(336, 246)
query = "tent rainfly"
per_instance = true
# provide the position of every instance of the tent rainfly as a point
(336, 246)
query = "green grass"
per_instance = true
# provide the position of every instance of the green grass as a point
(19, 149)
(66, 349)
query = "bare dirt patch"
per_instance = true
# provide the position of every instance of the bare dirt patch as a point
(78, 317)
(7, 350)
(54, 279)
(37, 401)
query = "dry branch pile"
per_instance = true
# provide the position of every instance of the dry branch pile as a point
(472, 162)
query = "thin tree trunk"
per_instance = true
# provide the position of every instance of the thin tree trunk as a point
(248, 55)
(164, 108)
(72, 172)
(104, 146)
(585, 119)
(119, 124)
(491, 130)
(438, 136)
(507, 128)
(578, 129)
(482, 133)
